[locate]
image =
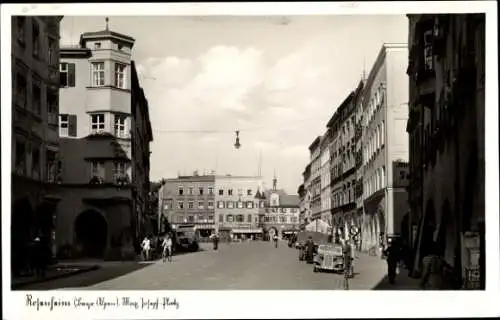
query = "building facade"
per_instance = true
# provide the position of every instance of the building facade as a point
(189, 200)
(237, 201)
(281, 213)
(306, 175)
(325, 213)
(343, 177)
(358, 158)
(315, 186)
(446, 129)
(105, 131)
(385, 146)
(35, 139)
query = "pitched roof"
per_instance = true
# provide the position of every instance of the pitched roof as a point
(289, 200)
(286, 200)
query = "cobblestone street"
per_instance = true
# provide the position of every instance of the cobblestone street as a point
(237, 266)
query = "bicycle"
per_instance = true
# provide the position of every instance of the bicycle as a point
(166, 254)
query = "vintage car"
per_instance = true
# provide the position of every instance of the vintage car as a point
(318, 239)
(329, 257)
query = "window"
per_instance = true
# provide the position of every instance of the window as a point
(221, 218)
(97, 122)
(274, 202)
(200, 190)
(383, 177)
(230, 205)
(120, 131)
(180, 205)
(52, 58)
(240, 205)
(21, 94)
(201, 218)
(249, 192)
(98, 74)
(36, 39)
(428, 55)
(294, 219)
(181, 191)
(52, 109)
(283, 210)
(382, 136)
(201, 205)
(37, 99)
(191, 191)
(282, 219)
(249, 218)
(168, 205)
(230, 192)
(97, 45)
(239, 218)
(190, 219)
(66, 75)
(20, 158)
(120, 168)
(249, 204)
(262, 204)
(35, 164)
(181, 219)
(210, 204)
(190, 205)
(211, 191)
(210, 218)
(97, 169)
(229, 218)
(20, 161)
(221, 192)
(63, 125)
(220, 204)
(120, 75)
(21, 29)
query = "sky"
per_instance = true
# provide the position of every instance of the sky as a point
(277, 80)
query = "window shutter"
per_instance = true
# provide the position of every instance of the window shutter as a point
(71, 75)
(72, 125)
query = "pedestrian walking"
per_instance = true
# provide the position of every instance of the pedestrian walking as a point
(167, 248)
(309, 249)
(275, 239)
(392, 255)
(347, 252)
(146, 247)
(39, 257)
(433, 270)
(215, 241)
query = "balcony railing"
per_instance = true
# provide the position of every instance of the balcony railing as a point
(121, 178)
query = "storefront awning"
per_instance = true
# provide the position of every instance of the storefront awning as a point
(247, 230)
(205, 226)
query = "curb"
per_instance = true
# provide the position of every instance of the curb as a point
(54, 277)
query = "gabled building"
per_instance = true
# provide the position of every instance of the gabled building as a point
(105, 131)
(281, 212)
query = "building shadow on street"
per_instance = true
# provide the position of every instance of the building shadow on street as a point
(104, 273)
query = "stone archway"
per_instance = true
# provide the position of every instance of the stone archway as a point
(22, 229)
(91, 234)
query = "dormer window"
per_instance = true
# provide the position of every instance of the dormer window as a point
(120, 47)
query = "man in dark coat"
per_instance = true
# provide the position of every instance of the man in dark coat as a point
(393, 256)
(309, 249)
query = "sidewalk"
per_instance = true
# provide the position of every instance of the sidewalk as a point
(57, 271)
(376, 268)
